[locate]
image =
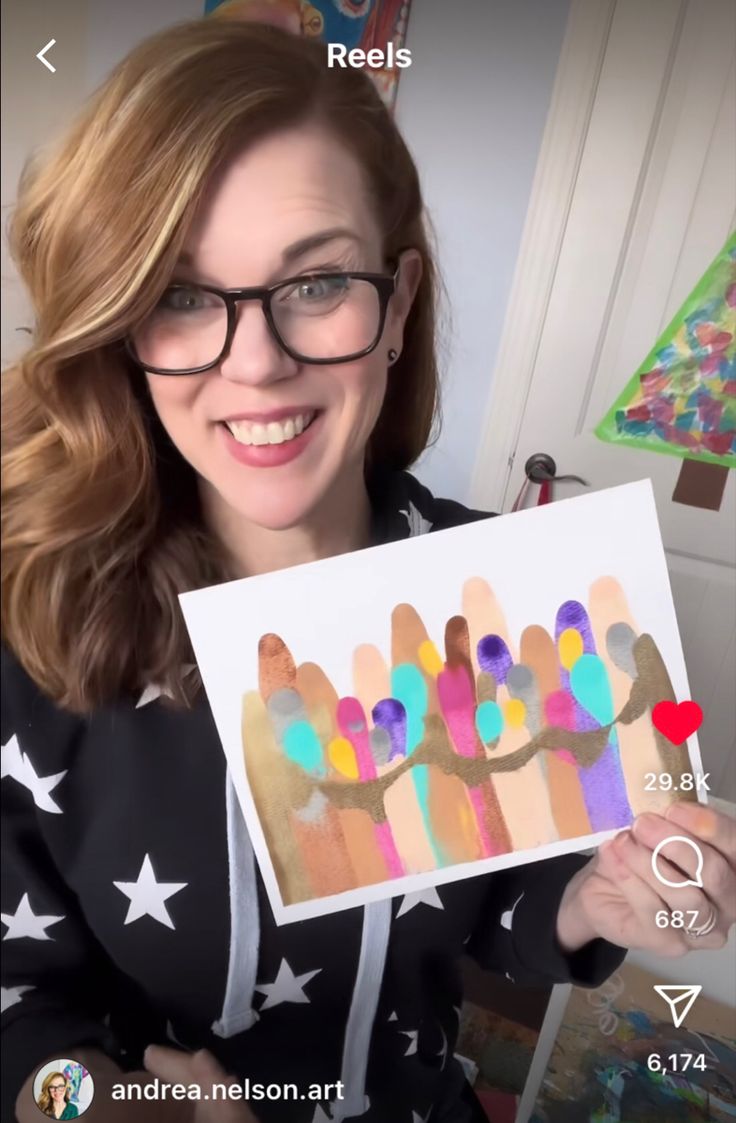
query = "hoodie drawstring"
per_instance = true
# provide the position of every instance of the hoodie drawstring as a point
(363, 1005)
(238, 1013)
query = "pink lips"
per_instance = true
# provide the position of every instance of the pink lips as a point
(270, 456)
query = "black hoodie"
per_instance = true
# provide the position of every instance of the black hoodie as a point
(137, 794)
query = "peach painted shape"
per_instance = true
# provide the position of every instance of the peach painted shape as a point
(483, 614)
(524, 794)
(371, 679)
(407, 823)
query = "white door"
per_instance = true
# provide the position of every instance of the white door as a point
(635, 194)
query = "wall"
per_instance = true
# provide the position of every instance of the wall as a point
(34, 106)
(472, 108)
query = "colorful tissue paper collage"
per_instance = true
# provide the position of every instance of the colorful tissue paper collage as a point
(682, 399)
(449, 704)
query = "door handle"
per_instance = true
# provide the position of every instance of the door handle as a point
(541, 467)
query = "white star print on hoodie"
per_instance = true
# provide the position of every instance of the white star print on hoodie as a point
(134, 913)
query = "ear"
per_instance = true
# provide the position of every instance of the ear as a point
(407, 283)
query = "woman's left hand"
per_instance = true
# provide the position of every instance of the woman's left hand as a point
(617, 896)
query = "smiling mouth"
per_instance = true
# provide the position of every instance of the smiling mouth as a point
(272, 432)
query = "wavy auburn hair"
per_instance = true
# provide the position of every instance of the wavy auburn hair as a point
(101, 522)
(45, 1100)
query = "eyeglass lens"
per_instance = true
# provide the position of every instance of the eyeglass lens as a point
(318, 318)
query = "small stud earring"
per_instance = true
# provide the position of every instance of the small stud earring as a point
(392, 355)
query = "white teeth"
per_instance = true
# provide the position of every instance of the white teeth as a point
(274, 433)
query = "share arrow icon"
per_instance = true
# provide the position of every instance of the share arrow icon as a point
(679, 1000)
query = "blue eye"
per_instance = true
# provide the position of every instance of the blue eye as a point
(319, 288)
(187, 298)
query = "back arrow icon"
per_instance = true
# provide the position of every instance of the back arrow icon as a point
(45, 61)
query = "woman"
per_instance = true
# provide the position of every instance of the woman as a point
(163, 435)
(54, 1098)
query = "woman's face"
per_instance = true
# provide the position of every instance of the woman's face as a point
(57, 1090)
(293, 203)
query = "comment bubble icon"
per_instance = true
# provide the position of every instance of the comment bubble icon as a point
(697, 880)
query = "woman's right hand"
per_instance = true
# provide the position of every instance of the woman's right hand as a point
(173, 1066)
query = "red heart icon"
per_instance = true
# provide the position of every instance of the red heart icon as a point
(677, 722)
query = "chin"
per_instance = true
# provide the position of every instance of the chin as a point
(276, 508)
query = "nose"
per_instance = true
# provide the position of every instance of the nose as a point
(255, 358)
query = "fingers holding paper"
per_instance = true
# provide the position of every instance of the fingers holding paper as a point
(665, 917)
(644, 891)
(708, 857)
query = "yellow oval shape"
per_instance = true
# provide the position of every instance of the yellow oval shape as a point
(515, 713)
(429, 658)
(342, 757)
(570, 647)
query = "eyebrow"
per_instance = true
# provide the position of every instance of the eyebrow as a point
(301, 247)
(316, 241)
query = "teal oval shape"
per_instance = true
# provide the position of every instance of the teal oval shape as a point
(303, 746)
(489, 721)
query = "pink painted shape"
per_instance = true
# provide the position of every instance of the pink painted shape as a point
(353, 726)
(387, 846)
(457, 701)
(458, 708)
(559, 709)
(478, 803)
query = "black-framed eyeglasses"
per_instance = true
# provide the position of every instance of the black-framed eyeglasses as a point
(315, 318)
(57, 1087)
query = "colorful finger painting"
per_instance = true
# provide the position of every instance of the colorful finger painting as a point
(75, 1074)
(682, 399)
(380, 744)
(366, 25)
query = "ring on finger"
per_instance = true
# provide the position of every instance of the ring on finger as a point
(704, 929)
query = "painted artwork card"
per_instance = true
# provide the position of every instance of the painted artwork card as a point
(682, 399)
(449, 704)
(600, 1069)
(365, 25)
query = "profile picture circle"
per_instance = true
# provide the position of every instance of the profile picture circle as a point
(63, 1089)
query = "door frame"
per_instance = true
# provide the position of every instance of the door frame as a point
(573, 96)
